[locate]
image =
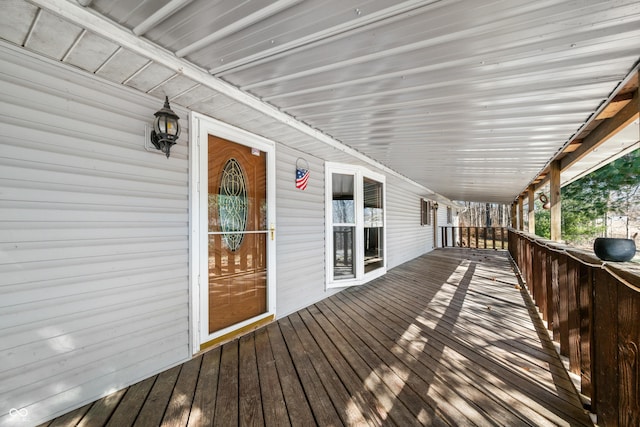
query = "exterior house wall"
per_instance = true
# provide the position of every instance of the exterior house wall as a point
(94, 238)
(406, 238)
(300, 229)
(94, 278)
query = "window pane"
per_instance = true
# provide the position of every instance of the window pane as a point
(343, 200)
(373, 225)
(373, 249)
(343, 266)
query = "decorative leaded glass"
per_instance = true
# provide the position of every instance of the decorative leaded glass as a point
(233, 204)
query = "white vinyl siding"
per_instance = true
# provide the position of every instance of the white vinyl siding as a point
(406, 238)
(94, 279)
(300, 233)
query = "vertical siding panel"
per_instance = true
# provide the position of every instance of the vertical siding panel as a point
(93, 239)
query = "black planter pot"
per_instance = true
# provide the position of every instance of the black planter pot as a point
(613, 249)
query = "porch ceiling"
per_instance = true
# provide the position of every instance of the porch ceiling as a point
(470, 99)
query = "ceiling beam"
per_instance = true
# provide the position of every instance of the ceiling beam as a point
(160, 15)
(616, 104)
(238, 25)
(604, 131)
(577, 149)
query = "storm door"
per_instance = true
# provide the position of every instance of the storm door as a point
(234, 178)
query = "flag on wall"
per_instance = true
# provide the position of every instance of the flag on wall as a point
(302, 177)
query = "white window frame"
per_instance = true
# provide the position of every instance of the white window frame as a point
(359, 173)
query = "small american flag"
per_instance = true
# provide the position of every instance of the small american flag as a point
(302, 177)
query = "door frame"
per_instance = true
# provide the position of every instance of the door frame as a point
(201, 127)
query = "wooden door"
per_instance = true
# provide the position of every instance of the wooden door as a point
(237, 233)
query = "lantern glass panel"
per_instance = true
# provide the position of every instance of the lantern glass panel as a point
(171, 127)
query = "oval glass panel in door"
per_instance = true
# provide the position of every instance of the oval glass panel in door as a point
(233, 204)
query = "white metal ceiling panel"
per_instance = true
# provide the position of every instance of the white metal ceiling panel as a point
(469, 98)
(439, 38)
(304, 24)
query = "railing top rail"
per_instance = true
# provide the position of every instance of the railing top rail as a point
(626, 276)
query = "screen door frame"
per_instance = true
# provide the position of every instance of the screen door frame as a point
(201, 127)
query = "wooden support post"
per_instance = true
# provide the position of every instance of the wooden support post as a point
(556, 212)
(532, 216)
(435, 226)
(514, 215)
(520, 213)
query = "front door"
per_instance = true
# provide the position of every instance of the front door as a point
(237, 232)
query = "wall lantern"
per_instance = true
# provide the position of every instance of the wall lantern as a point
(166, 128)
(435, 206)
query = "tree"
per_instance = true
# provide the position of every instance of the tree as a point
(477, 214)
(543, 221)
(586, 202)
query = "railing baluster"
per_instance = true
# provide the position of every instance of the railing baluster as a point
(492, 237)
(592, 309)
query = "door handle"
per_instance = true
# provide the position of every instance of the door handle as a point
(272, 231)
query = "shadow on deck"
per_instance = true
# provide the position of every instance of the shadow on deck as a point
(445, 339)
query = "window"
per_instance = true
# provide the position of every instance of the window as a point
(449, 215)
(355, 226)
(344, 225)
(425, 212)
(373, 225)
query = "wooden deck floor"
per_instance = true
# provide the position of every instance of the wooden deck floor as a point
(446, 339)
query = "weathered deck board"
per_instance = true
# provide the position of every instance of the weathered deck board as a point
(446, 339)
(206, 392)
(273, 404)
(129, 407)
(177, 413)
(158, 399)
(227, 406)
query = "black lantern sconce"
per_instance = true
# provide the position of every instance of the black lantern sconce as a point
(166, 128)
(435, 206)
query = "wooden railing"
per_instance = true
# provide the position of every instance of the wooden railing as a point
(474, 237)
(593, 309)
